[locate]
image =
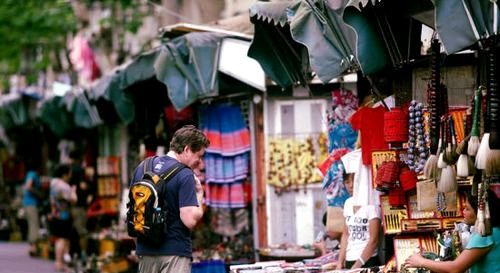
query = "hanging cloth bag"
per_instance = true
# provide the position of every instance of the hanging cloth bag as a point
(426, 195)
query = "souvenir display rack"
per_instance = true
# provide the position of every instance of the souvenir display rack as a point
(408, 219)
(108, 187)
(405, 246)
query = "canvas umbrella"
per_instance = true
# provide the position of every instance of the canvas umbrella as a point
(111, 87)
(463, 23)
(187, 65)
(388, 24)
(330, 43)
(282, 58)
(336, 44)
(13, 111)
(54, 113)
(109, 90)
(85, 114)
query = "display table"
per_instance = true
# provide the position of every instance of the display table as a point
(288, 255)
(284, 267)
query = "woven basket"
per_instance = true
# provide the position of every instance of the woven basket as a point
(396, 126)
(387, 175)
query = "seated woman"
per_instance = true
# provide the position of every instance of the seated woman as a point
(482, 253)
(329, 239)
(325, 241)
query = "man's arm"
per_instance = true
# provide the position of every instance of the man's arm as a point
(190, 215)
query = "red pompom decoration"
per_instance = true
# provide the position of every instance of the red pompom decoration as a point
(407, 179)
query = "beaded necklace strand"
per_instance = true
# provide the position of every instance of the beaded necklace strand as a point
(417, 148)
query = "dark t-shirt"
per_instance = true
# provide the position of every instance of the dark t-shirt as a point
(179, 192)
(77, 176)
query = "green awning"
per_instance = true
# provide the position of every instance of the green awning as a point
(187, 65)
(361, 3)
(54, 113)
(111, 87)
(108, 89)
(339, 38)
(65, 113)
(85, 114)
(388, 32)
(271, 12)
(462, 23)
(329, 41)
(459, 23)
(283, 59)
(13, 111)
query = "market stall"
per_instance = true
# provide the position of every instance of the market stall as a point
(415, 164)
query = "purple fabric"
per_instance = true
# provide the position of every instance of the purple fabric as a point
(222, 169)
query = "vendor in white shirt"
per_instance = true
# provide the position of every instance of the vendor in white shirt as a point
(360, 238)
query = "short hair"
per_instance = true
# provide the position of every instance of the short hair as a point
(190, 136)
(61, 170)
(492, 203)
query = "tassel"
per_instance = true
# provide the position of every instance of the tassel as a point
(451, 157)
(441, 163)
(463, 165)
(448, 180)
(487, 217)
(493, 157)
(463, 146)
(430, 167)
(480, 227)
(452, 154)
(470, 162)
(492, 167)
(441, 147)
(474, 139)
(464, 161)
(475, 182)
(482, 152)
(473, 146)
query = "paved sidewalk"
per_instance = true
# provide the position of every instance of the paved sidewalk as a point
(14, 258)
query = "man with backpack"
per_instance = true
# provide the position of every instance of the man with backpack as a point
(165, 203)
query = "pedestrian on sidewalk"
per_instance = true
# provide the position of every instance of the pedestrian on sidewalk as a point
(32, 197)
(62, 195)
(183, 195)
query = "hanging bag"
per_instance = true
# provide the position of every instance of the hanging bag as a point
(426, 195)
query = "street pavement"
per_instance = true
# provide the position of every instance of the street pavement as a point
(14, 258)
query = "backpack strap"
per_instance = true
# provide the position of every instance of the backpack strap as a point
(172, 171)
(169, 174)
(148, 162)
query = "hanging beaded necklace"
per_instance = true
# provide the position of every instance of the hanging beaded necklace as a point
(417, 148)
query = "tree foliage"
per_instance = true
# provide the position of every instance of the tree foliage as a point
(35, 32)
(32, 31)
